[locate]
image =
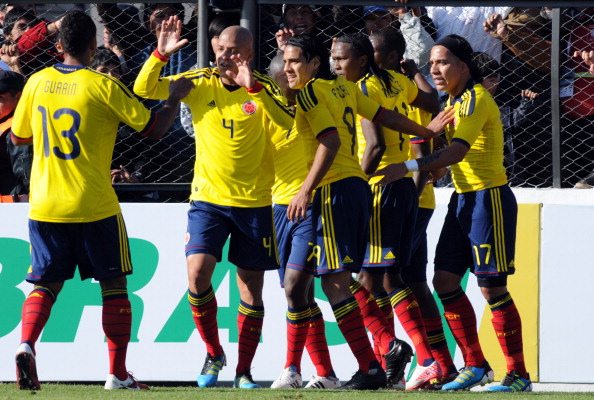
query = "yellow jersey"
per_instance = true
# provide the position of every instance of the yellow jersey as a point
(402, 92)
(233, 164)
(325, 106)
(72, 114)
(422, 117)
(477, 123)
(290, 162)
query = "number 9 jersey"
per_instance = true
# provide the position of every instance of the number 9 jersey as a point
(327, 106)
(72, 113)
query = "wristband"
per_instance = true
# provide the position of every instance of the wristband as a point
(411, 165)
(160, 56)
(256, 88)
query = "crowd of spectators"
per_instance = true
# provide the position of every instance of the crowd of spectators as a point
(514, 44)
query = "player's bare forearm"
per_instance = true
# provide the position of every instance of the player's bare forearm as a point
(323, 159)
(420, 178)
(398, 122)
(375, 146)
(452, 154)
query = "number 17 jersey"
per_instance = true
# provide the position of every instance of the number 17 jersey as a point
(72, 113)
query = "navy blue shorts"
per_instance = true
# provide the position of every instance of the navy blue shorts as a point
(253, 242)
(416, 270)
(295, 242)
(340, 213)
(479, 232)
(100, 249)
(391, 225)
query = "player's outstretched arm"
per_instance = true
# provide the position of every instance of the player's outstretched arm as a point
(148, 84)
(449, 155)
(398, 122)
(165, 116)
(375, 146)
(264, 91)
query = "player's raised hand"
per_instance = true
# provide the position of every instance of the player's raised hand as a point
(180, 88)
(169, 40)
(282, 35)
(442, 119)
(244, 75)
(391, 173)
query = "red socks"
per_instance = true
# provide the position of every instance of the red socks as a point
(462, 321)
(204, 312)
(508, 328)
(249, 323)
(439, 345)
(408, 312)
(297, 328)
(117, 322)
(350, 322)
(36, 311)
(373, 317)
(316, 344)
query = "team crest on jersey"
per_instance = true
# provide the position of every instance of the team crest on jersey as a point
(249, 107)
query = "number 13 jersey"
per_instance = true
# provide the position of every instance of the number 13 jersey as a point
(72, 113)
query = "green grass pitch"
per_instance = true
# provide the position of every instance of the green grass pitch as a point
(91, 392)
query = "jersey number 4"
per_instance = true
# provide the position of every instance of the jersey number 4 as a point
(69, 133)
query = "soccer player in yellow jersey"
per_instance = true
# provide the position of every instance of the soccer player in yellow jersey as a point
(325, 118)
(305, 324)
(71, 114)
(480, 226)
(233, 176)
(389, 45)
(394, 206)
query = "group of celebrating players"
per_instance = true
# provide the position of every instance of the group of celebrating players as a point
(314, 169)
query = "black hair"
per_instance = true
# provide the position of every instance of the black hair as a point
(220, 22)
(485, 64)
(363, 47)
(162, 12)
(17, 13)
(178, 8)
(77, 32)
(459, 46)
(314, 47)
(104, 56)
(392, 40)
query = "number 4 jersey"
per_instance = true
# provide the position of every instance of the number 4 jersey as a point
(72, 113)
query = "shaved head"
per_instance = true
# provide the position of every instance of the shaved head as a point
(238, 35)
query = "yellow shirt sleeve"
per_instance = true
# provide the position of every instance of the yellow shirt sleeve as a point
(469, 123)
(318, 116)
(127, 107)
(149, 84)
(366, 107)
(273, 102)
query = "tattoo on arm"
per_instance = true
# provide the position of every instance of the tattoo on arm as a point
(430, 158)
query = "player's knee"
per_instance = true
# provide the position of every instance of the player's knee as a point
(445, 282)
(115, 283)
(492, 288)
